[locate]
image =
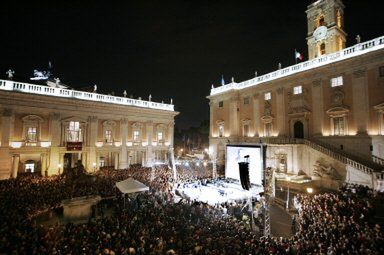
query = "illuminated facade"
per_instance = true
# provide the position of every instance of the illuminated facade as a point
(327, 110)
(46, 129)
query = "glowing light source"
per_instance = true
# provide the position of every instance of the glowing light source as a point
(99, 144)
(309, 190)
(16, 144)
(45, 144)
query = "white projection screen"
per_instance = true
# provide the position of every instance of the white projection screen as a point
(235, 154)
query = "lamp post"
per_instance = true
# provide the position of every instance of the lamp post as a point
(288, 180)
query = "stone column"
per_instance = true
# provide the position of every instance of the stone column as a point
(280, 112)
(43, 159)
(317, 108)
(256, 114)
(170, 133)
(15, 165)
(92, 139)
(6, 127)
(116, 158)
(211, 118)
(360, 101)
(123, 164)
(234, 117)
(55, 137)
(149, 159)
(5, 139)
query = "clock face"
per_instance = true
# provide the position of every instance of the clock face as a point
(320, 33)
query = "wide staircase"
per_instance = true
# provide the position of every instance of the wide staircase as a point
(373, 169)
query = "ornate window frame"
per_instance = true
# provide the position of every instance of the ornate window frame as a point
(268, 125)
(160, 128)
(65, 128)
(137, 127)
(338, 112)
(220, 128)
(380, 117)
(32, 121)
(109, 125)
(246, 122)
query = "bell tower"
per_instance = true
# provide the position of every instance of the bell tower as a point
(325, 27)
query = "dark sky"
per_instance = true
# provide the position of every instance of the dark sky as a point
(170, 49)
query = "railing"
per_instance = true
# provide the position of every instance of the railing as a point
(67, 93)
(356, 50)
(378, 160)
(360, 164)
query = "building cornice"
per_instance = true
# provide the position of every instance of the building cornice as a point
(348, 53)
(29, 88)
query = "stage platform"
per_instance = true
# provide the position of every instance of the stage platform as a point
(217, 192)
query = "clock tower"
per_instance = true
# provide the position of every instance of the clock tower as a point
(325, 27)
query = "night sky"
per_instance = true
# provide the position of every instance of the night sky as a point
(170, 49)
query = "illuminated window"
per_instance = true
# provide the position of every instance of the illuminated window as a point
(108, 136)
(297, 90)
(246, 130)
(268, 129)
(136, 135)
(29, 167)
(160, 136)
(221, 130)
(221, 103)
(246, 100)
(267, 96)
(338, 81)
(102, 162)
(32, 134)
(338, 18)
(322, 49)
(74, 132)
(338, 126)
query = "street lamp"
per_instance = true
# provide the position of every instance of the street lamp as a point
(288, 178)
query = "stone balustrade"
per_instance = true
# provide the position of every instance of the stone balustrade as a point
(68, 93)
(356, 50)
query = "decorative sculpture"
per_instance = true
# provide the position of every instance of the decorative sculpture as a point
(10, 74)
(94, 88)
(125, 93)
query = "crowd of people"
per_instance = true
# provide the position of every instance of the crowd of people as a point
(155, 223)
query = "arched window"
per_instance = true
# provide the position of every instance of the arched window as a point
(322, 49)
(338, 18)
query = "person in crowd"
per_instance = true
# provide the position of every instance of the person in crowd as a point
(155, 223)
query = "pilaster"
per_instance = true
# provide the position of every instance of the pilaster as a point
(317, 107)
(360, 101)
(256, 114)
(123, 164)
(280, 112)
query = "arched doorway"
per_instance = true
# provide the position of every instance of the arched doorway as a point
(298, 130)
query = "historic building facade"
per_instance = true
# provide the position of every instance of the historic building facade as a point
(324, 113)
(46, 129)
